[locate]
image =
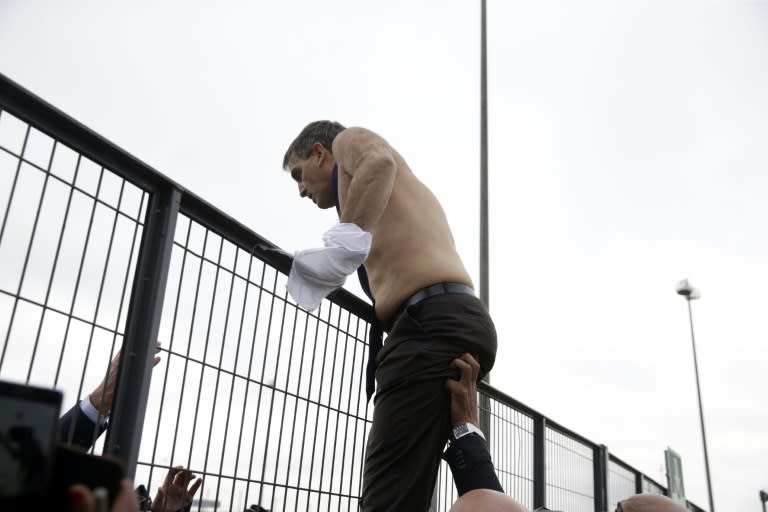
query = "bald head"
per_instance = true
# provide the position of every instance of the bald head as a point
(486, 500)
(651, 503)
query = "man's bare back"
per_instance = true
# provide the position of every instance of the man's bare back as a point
(412, 243)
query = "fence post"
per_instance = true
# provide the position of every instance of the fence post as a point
(484, 416)
(600, 458)
(539, 461)
(141, 329)
(638, 482)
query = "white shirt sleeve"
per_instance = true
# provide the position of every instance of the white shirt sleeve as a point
(93, 413)
(317, 272)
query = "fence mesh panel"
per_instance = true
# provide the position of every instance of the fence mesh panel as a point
(261, 398)
(570, 478)
(511, 447)
(69, 235)
(621, 483)
(651, 487)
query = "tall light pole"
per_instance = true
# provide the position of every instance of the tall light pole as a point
(485, 403)
(484, 295)
(690, 293)
(763, 498)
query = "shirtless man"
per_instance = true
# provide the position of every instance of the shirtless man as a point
(423, 297)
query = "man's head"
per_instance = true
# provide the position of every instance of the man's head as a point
(310, 161)
(649, 503)
(486, 500)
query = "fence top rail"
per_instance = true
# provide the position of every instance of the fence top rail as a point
(654, 482)
(208, 215)
(621, 463)
(53, 122)
(46, 118)
(533, 413)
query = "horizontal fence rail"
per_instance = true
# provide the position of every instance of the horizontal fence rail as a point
(102, 257)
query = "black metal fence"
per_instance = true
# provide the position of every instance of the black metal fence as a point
(263, 399)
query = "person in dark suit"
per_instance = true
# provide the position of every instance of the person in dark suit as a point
(86, 421)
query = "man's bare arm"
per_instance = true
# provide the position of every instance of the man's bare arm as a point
(370, 162)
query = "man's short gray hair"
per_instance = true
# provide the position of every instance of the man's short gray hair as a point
(317, 131)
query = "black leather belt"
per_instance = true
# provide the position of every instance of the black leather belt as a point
(425, 293)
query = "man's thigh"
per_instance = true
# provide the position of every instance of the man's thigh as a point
(411, 418)
(409, 431)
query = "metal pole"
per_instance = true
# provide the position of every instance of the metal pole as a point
(483, 162)
(142, 326)
(539, 461)
(600, 477)
(701, 410)
(484, 416)
(638, 482)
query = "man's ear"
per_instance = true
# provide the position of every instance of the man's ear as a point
(320, 151)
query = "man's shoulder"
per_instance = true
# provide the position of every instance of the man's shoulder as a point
(356, 131)
(356, 136)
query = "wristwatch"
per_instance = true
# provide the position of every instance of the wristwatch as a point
(464, 429)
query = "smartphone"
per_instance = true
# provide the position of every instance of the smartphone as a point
(28, 428)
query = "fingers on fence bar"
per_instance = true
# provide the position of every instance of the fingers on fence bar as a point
(84, 422)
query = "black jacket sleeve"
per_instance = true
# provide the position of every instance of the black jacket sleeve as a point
(76, 428)
(471, 465)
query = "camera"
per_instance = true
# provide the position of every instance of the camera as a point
(35, 470)
(28, 429)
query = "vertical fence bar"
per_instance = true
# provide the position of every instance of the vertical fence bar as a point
(539, 461)
(600, 462)
(142, 325)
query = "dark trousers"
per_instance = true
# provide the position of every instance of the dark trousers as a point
(411, 418)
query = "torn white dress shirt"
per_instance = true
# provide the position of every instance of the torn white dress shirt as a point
(317, 272)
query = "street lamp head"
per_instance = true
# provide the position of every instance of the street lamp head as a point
(763, 496)
(685, 289)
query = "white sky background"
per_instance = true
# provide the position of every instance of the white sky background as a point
(627, 151)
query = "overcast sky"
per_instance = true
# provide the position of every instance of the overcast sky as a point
(627, 151)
